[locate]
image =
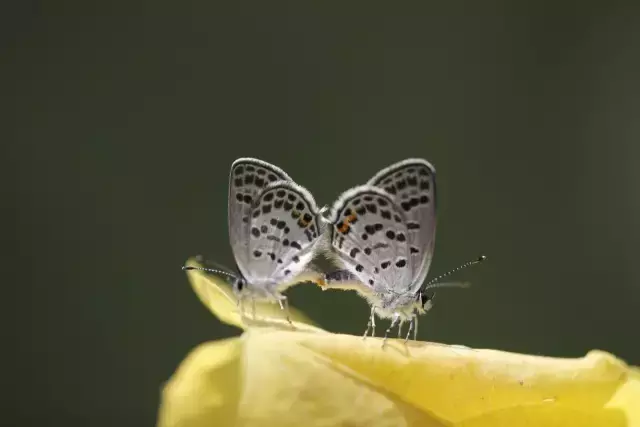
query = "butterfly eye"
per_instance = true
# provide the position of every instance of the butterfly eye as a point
(425, 301)
(239, 285)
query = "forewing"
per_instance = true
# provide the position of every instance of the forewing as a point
(284, 228)
(369, 236)
(413, 183)
(247, 179)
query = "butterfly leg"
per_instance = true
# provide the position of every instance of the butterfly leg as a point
(391, 326)
(240, 306)
(400, 323)
(411, 325)
(373, 322)
(415, 331)
(366, 331)
(371, 325)
(284, 305)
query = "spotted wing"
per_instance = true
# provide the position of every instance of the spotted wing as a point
(413, 183)
(369, 237)
(284, 228)
(247, 179)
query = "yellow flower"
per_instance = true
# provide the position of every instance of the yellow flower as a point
(278, 375)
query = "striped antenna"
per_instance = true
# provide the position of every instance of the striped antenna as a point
(209, 270)
(433, 283)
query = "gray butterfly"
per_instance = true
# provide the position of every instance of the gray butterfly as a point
(383, 234)
(273, 230)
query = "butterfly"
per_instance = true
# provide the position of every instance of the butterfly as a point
(274, 228)
(383, 234)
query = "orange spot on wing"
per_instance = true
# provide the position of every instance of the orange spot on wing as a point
(321, 283)
(345, 224)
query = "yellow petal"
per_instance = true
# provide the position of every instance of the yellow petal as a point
(266, 378)
(627, 398)
(218, 297)
(484, 387)
(284, 378)
(547, 416)
(206, 388)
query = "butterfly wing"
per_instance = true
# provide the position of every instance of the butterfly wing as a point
(284, 228)
(413, 184)
(369, 237)
(247, 179)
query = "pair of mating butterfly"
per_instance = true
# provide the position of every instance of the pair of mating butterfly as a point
(382, 235)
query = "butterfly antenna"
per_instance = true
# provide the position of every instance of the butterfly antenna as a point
(433, 283)
(209, 270)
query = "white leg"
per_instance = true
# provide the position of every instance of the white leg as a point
(411, 325)
(240, 306)
(373, 321)
(370, 324)
(284, 305)
(391, 326)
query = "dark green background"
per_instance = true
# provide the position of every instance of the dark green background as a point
(122, 121)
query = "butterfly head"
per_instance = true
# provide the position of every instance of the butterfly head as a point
(424, 302)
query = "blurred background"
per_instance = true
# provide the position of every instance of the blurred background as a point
(122, 120)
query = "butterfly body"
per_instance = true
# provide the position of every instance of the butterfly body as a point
(388, 305)
(384, 303)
